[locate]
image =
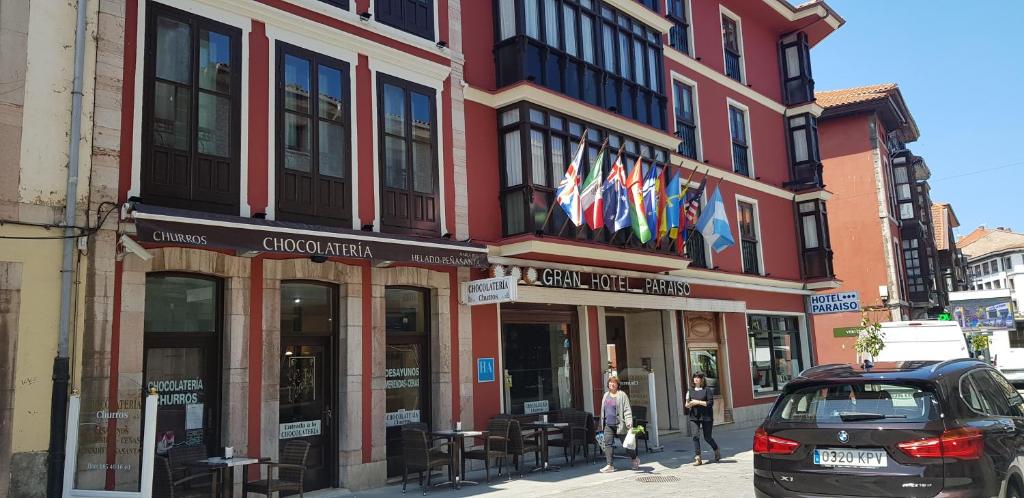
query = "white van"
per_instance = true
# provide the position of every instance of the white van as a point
(923, 340)
(1011, 363)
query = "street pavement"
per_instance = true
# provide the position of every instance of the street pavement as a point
(732, 477)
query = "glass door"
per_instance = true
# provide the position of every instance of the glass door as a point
(305, 407)
(705, 360)
(407, 369)
(308, 396)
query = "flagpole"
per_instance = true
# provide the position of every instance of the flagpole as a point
(554, 202)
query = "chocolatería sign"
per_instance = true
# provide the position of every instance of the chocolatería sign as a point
(174, 226)
(607, 282)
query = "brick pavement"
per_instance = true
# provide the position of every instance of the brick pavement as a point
(731, 478)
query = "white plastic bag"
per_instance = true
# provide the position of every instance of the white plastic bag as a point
(630, 442)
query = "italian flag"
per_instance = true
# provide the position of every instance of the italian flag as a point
(590, 195)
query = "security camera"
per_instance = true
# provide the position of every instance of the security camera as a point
(134, 248)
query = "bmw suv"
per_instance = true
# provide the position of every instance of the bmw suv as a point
(909, 429)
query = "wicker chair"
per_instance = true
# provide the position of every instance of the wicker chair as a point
(420, 455)
(520, 444)
(573, 437)
(290, 472)
(179, 457)
(592, 436)
(640, 418)
(496, 445)
(165, 486)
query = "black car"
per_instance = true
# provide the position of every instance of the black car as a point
(910, 429)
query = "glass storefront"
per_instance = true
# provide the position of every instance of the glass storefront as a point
(407, 393)
(542, 359)
(776, 351)
(182, 358)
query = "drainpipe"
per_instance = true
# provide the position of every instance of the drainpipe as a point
(61, 367)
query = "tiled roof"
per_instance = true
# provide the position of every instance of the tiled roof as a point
(972, 237)
(994, 241)
(847, 96)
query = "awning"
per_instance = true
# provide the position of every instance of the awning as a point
(198, 229)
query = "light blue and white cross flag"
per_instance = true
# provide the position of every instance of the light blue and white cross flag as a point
(714, 225)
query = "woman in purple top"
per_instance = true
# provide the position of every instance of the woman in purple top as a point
(617, 421)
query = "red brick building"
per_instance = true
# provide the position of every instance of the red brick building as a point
(881, 216)
(313, 181)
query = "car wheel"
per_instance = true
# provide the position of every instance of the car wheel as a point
(1013, 491)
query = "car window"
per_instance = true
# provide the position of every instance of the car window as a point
(1013, 398)
(857, 403)
(970, 394)
(989, 396)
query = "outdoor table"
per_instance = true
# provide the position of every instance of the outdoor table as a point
(224, 469)
(458, 439)
(543, 429)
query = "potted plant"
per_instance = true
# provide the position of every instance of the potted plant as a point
(870, 340)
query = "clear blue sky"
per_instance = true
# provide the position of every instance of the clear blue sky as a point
(960, 68)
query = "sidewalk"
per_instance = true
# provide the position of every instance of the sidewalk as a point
(672, 470)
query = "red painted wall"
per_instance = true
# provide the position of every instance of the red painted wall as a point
(478, 45)
(259, 121)
(364, 120)
(482, 171)
(487, 395)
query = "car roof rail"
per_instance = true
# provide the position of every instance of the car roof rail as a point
(951, 362)
(825, 368)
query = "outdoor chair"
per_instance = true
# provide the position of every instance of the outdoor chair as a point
(496, 445)
(179, 457)
(521, 444)
(592, 436)
(165, 486)
(420, 455)
(640, 418)
(573, 437)
(290, 472)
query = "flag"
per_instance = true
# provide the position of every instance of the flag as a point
(714, 224)
(637, 218)
(662, 204)
(590, 195)
(673, 202)
(691, 204)
(650, 198)
(568, 193)
(616, 197)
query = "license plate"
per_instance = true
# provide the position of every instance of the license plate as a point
(850, 457)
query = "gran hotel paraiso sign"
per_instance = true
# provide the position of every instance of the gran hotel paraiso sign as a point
(590, 280)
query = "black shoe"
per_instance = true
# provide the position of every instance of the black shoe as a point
(718, 456)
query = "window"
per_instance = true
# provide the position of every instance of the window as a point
(732, 41)
(191, 112)
(749, 232)
(408, 156)
(740, 141)
(695, 247)
(827, 403)
(540, 352)
(407, 366)
(803, 150)
(536, 146)
(313, 157)
(679, 35)
(588, 52)
(411, 16)
(776, 351)
(1007, 264)
(797, 84)
(686, 118)
(182, 327)
(341, 4)
(912, 258)
(816, 251)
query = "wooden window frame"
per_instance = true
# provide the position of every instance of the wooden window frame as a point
(424, 228)
(680, 123)
(745, 143)
(797, 89)
(727, 50)
(756, 242)
(808, 172)
(680, 36)
(817, 258)
(547, 63)
(316, 214)
(223, 202)
(403, 22)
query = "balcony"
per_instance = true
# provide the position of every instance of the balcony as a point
(733, 69)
